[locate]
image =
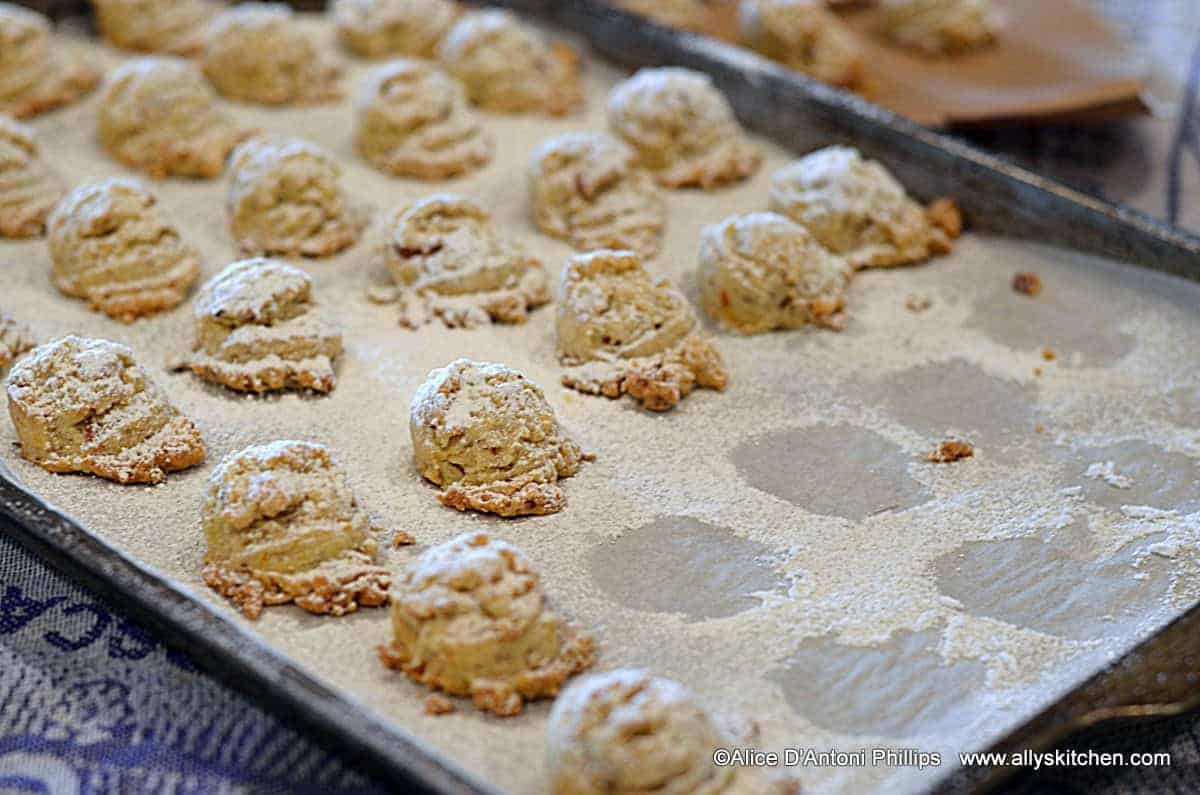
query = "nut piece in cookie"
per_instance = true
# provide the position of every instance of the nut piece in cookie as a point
(507, 66)
(15, 339)
(169, 26)
(256, 52)
(449, 262)
(85, 405)
(682, 128)
(627, 732)
(857, 209)
(414, 121)
(470, 618)
(258, 330)
(941, 27)
(29, 189)
(803, 35)
(620, 332)
(762, 271)
(283, 525)
(286, 197)
(487, 436)
(113, 246)
(36, 75)
(159, 115)
(382, 28)
(587, 189)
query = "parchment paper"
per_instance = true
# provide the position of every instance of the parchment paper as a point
(782, 548)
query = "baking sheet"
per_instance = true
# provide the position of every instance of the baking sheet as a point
(845, 594)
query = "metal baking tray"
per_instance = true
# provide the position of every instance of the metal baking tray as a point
(1157, 678)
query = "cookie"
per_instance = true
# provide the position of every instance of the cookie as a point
(113, 246)
(283, 525)
(587, 189)
(803, 35)
(858, 210)
(470, 618)
(15, 339)
(449, 262)
(85, 405)
(507, 66)
(286, 197)
(159, 115)
(762, 271)
(487, 436)
(682, 128)
(414, 121)
(29, 188)
(255, 52)
(686, 14)
(169, 26)
(35, 75)
(941, 27)
(258, 330)
(620, 332)
(384, 28)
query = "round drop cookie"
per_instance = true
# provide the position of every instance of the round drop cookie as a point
(36, 75)
(381, 28)
(626, 732)
(763, 271)
(682, 128)
(507, 66)
(159, 115)
(470, 618)
(255, 52)
(113, 247)
(587, 189)
(29, 189)
(620, 332)
(803, 35)
(449, 262)
(171, 26)
(487, 436)
(257, 329)
(857, 209)
(414, 121)
(283, 525)
(286, 197)
(85, 405)
(941, 27)
(15, 339)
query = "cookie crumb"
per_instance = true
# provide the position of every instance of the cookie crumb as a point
(437, 704)
(403, 539)
(1039, 428)
(1037, 372)
(1049, 355)
(1027, 283)
(917, 303)
(951, 450)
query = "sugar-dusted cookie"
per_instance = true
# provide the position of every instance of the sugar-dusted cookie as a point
(687, 14)
(587, 189)
(382, 28)
(159, 115)
(85, 405)
(804, 35)
(941, 27)
(448, 262)
(682, 128)
(487, 436)
(620, 332)
(283, 525)
(627, 732)
(15, 339)
(113, 246)
(255, 52)
(257, 330)
(507, 66)
(36, 76)
(29, 188)
(763, 271)
(286, 197)
(470, 618)
(414, 121)
(857, 209)
(171, 26)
